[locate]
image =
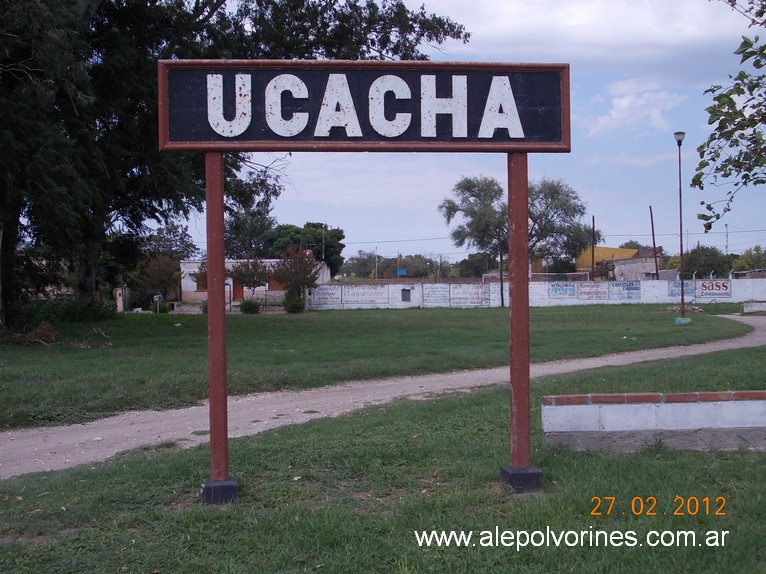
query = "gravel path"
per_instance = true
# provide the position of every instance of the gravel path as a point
(54, 448)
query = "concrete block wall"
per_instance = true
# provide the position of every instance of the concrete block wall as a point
(726, 420)
(541, 294)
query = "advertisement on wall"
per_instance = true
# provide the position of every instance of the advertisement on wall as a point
(625, 290)
(469, 295)
(674, 289)
(365, 294)
(714, 288)
(435, 295)
(562, 290)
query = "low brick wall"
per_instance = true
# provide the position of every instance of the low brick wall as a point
(729, 420)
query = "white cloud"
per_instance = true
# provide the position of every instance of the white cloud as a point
(635, 104)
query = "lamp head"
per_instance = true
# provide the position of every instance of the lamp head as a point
(679, 137)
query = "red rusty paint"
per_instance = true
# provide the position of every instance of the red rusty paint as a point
(518, 280)
(216, 318)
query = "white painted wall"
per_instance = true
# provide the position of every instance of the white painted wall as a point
(541, 294)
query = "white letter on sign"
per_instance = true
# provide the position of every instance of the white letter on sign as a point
(273, 104)
(500, 112)
(378, 90)
(337, 109)
(456, 106)
(242, 108)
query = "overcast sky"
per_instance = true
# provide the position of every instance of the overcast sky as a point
(638, 72)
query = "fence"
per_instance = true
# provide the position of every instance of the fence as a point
(541, 294)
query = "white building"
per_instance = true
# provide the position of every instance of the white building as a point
(194, 291)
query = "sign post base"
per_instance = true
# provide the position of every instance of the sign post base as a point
(522, 479)
(218, 491)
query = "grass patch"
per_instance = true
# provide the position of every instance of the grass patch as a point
(135, 362)
(347, 494)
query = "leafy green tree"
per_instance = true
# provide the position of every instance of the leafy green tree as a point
(121, 260)
(476, 265)
(703, 260)
(753, 258)
(360, 265)
(248, 222)
(79, 99)
(173, 241)
(555, 210)
(297, 271)
(733, 153)
(633, 244)
(479, 204)
(43, 84)
(160, 274)
(250, 273)
(324, 241)
(327, 244)
(555, 230)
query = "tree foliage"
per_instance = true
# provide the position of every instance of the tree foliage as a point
(734, 155)
(324, 241)
(43, 85)
(478, 202)
(476, 265)
(297, 271)
(172, 241)
(703, 260)
(555, 229)
(555, 210)
(250, 273)
(78, 90)
(753, 258)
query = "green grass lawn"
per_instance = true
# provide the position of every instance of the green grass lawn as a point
(160, 361)
(347, 495)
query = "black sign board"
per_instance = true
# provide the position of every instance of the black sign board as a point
(270, 105)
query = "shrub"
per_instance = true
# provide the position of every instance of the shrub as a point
(250, 306)
(161, 308)
(294, 302)
(66, 312)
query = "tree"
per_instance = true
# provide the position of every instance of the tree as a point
(296, 271)
(633, 244)
(555, 230)
(703, 260)
(43, 82)
(324, 241)
(252, 273)
(248, 220)
(484, 217)
(753, 258)
(735, 150)
(172, 241)
(79, 98)
(160, 274)
(476, 265)
(360, 265)
(555, 209)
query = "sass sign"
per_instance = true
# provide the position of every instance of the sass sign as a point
(392, 106)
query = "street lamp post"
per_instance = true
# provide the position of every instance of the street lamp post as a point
(679, 140)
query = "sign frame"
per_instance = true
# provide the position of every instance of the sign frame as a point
(434, 144)
(520, 475)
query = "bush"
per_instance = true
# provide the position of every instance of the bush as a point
(294, 302)
(161, 308)
(250, 306)
(66, 312)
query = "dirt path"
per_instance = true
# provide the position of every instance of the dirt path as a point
(54, 448)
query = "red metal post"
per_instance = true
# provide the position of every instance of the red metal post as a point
(518, 275)
(216, 318)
